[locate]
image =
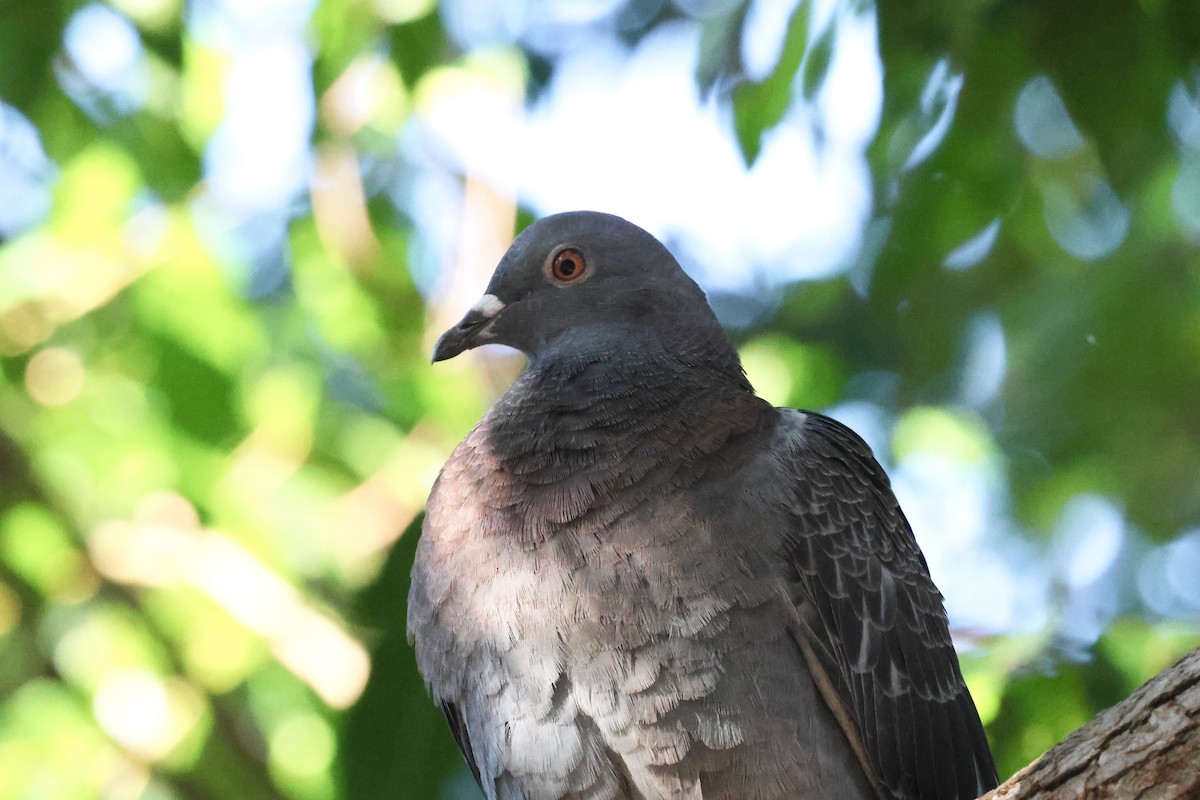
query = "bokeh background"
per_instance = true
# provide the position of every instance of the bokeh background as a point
(231, 229)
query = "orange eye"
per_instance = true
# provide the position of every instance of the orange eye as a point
(568, 265)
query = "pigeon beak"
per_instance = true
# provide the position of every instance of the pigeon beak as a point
(471, 331)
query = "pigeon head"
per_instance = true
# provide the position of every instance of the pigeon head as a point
(584, 279)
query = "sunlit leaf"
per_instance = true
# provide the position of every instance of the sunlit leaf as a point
(758, 107)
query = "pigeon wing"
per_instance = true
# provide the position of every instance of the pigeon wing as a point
(871, 621)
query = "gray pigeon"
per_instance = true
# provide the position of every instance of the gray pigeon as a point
(636, 579)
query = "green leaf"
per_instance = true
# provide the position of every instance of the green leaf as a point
(720, 48)
(816, 62)
(758, 107)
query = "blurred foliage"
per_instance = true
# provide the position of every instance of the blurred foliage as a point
(215, 446)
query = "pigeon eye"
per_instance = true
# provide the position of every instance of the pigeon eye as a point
(568, 265)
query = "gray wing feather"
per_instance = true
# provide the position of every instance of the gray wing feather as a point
(875, 620)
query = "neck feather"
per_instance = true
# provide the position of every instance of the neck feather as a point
(602, 423)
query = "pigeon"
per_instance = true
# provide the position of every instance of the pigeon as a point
(638, 580)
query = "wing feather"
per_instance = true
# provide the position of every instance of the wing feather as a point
(458, 727)
(876, 621)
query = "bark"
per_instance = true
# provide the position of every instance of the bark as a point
(1144, 748)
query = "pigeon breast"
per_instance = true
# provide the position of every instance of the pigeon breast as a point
(597, 615)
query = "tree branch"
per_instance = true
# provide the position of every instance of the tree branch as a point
(1146, 747)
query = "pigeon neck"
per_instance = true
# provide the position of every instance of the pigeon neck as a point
(618, 420)
(632, 378)
(601, 433)
(662, 353)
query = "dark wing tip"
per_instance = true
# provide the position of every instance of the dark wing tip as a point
(458, 727)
